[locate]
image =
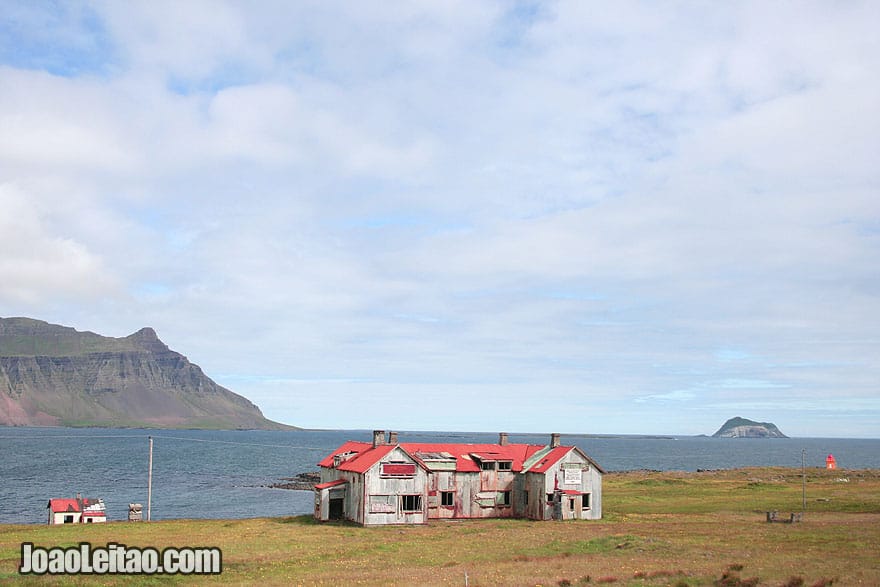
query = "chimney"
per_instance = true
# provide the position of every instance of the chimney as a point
(378, 438)
(392, 437)
(554, 440)
(502, 439)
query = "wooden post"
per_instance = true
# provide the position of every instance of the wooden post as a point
(150, 482)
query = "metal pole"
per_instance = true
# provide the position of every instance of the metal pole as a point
(804, 483)
(150, 482)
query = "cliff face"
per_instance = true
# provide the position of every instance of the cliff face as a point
(55, 376)
(743, 428)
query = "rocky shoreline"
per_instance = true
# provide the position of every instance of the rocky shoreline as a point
(300, 482)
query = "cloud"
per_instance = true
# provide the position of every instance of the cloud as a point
(632, 210)
(40, 266)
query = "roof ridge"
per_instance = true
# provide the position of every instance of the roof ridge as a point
(535, 458)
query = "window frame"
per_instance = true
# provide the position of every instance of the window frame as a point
(414, 507)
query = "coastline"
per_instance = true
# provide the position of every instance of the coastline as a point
(659, 528)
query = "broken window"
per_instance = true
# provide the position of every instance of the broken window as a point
(504, 465)
(503, 498)
(410, 503)
(447, 497)
(549, 498)
(487, 465)
(383, 504)
(586, 501)
(68, 519)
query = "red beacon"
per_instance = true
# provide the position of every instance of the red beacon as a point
(830, 463)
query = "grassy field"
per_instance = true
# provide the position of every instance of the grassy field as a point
(670, 528)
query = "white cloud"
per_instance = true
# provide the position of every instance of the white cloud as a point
(38, 265)
(458, 199)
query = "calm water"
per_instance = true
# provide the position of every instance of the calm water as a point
(224, 474)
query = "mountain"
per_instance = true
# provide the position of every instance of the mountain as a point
(53, 375)
(743, 428)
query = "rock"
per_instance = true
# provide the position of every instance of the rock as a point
(743, 428)
(302, 482)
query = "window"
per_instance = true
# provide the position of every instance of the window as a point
(526, 497)
(571, 503)
(411, 503)
(68, 519)
(487, 465)
(549, 498)
(586, 501)
(383, 504)
(503, 498)
(446, 497)
(504, 465)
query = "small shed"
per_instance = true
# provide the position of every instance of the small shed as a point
(77, 510)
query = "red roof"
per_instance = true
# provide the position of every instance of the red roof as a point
(572, 492)
(550, 459)
(63, 504)
(330, 484)
(465, 455)
(365, 456)
(72, 504)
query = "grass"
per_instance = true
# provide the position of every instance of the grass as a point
(671, 528)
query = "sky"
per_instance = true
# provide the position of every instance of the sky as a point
(582, 217)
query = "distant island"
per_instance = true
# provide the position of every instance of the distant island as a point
(743, 428)
(54, 375)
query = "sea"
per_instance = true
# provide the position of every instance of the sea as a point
(229, 474)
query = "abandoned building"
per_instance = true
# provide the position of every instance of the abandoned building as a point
(389, 482)
(78, 510)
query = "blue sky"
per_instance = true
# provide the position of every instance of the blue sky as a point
(521, 216)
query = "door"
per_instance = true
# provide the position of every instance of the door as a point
(337, 508)
(571, 507)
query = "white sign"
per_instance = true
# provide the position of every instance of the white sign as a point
(572, 476)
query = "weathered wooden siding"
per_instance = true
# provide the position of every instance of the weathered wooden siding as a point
(382, 497)
(537, 508)
(440, 482)
(573, 473)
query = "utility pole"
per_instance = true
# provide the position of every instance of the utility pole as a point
(804, 480)
(150, 481)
